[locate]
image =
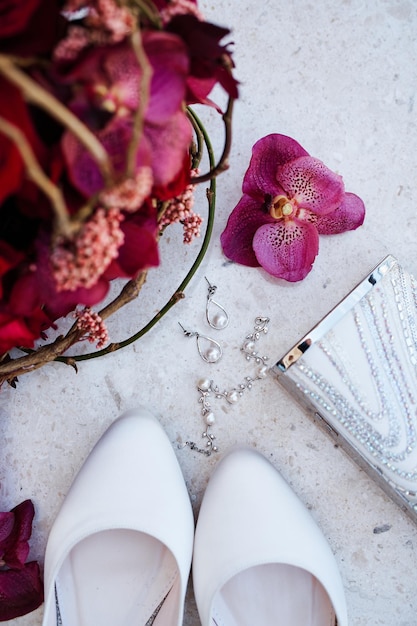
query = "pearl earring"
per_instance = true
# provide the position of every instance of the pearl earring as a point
(205, 387)
(216, 315)
(209, 349)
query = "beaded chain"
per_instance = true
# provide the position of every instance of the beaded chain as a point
(206, 386)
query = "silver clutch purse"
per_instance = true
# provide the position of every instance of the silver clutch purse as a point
(356, 374)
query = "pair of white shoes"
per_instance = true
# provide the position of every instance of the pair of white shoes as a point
(120, 550)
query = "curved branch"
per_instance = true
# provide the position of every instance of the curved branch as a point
(150, 12)
(176, 296)
(223, 163)
(179, 292)
(52, 352)
(196, 150)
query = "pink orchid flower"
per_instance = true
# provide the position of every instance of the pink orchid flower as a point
(289, 199)
(108, 88)
(21, 589)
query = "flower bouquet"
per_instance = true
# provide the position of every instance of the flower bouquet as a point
(99, 154)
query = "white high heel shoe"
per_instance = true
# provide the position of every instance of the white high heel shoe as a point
(119, 552)
(259, 557)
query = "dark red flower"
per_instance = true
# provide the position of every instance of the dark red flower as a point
(210, 62)
(36, 301)
(40, 287)
(21, 330)
(139, 250)
(164, 4)
(15, 16)
(107, 96)
(15, 531)
(14, 110)
(22, 319)
(9, 258)
(21, 589)
(31, 27)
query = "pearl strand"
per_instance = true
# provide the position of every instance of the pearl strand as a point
(205, 386)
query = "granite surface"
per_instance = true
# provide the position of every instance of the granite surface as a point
(341, 78)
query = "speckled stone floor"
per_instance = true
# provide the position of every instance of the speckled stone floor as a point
(341, 78)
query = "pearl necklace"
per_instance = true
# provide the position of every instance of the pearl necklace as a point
(205, 386)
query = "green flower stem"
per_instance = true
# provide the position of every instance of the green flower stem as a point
(223, 163)
(197, 151)
(10, 369)
(179, 292)
(149, 10)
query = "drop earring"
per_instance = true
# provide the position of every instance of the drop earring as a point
(206, 387)
(209, 349)
(216, 315)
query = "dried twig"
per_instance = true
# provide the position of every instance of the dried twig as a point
(37, 175)
(45, 354)
(144, 90)
(36, 94)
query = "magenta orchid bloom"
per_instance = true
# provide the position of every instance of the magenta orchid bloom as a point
(289, 199)
(108, 81)
(21, 589)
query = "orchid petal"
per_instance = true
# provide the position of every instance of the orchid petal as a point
(169, 62)
(241, 227)
(14, 332)
(168, 57)
(14, 109)
(170, 144)
(348, 216)
(6, 527)
(311, 184)
(139, 250)
(117, 69)
(115, 137)
(122, 74)
(197, 90)
(16, 546)
(287, 249)
(269, 153)
(210, 61)
(21, 591)
(24, 297)
(60, 303)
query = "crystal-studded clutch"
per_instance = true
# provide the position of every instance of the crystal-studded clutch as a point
(356, 374)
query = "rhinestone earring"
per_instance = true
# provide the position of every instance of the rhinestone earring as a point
(216, 315)
(209, 349)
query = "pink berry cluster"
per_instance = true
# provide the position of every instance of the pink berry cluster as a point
(131, 193)
(180, 7)
(108, 23)
(82, 260)
(180, 209)
(90, 323)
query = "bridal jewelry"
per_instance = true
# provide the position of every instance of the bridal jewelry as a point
(206, 386)
(209, 349)
(216, 315)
